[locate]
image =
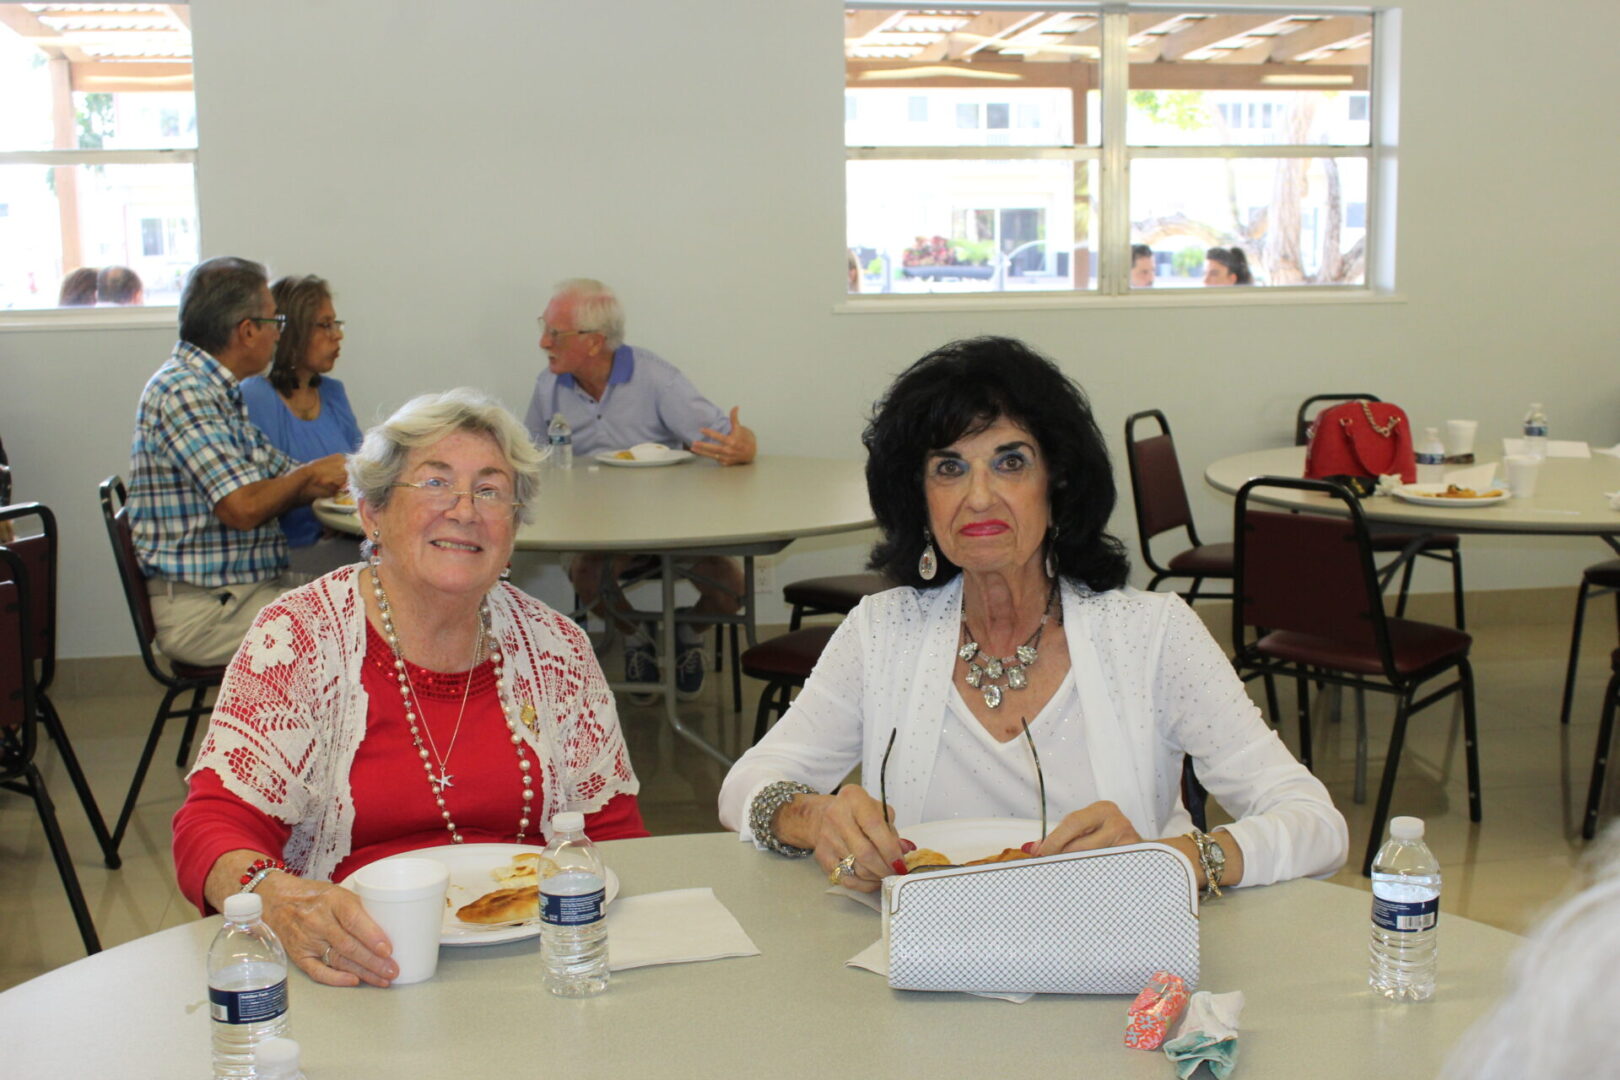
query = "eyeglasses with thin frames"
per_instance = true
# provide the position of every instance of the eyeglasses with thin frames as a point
(331, 326)
(556, 334)
(441, 495)
(279, 320)
(1040, 777)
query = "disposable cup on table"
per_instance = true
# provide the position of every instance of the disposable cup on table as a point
(1520, 472)
(406, 898)
(1460, 437)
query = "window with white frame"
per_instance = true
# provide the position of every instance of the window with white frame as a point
(98, 139)
(1027, 147)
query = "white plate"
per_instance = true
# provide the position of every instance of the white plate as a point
(470, 877)
(1429, 495)
(337, 507)
(966, 839)
(675, 458)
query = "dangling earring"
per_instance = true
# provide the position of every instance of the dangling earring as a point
(506, 572)
(372, 550)
(928, 564)
(1051, 554)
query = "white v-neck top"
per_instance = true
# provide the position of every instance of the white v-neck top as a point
(978, 777)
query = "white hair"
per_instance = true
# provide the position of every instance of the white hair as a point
(423, 421)
(596, 309)
(1554, 1019)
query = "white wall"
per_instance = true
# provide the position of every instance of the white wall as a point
(442, 165)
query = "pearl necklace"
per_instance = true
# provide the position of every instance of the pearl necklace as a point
(1012, 668)
(407, 693)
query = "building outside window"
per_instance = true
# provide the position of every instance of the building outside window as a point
(1051, 139)
(98, 139)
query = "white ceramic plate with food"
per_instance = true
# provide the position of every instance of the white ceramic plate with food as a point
(965, 839)
(472, 874)
(341, 504)
(668, 457)
(1434, 495)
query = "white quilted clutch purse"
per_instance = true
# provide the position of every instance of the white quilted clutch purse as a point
(1088, 922)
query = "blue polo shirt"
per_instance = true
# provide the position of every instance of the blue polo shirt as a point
(647, 399)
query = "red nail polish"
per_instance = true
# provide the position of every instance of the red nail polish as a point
(1029, 848)
(907, 845)
(899, 866)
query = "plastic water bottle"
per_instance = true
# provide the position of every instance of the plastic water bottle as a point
(1431, 457)
(573, 927)
(1405, 914)
(1535, 431)
(247, 986)
(277, 1059)
(561, 438)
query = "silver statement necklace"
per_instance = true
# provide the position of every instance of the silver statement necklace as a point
(425, 750)
(1013, 669)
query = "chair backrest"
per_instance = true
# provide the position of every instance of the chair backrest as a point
(1307, 573)
(115, 513)
(1315, 404)
(37, 549)
(5, 484)
(17, 706)
(1156, 485)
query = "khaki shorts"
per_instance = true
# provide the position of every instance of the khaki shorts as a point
(203, 627)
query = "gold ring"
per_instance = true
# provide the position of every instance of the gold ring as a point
(846, 865)
(326, 957)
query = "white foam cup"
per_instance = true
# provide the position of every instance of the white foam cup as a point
(1460, 437)
(1520, 472)
(406, 898)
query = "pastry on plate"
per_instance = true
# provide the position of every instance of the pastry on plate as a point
(502, 906)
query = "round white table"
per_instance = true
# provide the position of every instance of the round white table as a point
(1569, 498)
(683, 511)
(1298, 951)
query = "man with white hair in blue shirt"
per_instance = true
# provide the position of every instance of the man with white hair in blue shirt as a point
(615, 396)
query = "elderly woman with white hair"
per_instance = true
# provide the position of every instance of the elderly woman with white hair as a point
(409, 703)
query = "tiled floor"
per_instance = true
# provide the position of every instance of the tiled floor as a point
(1501, 871)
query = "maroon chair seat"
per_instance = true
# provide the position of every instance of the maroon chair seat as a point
(1308, 603)
(834, 595)
(179, 679)
(1600, 756)
(1161, 504)
(784, 662)
(1598, 579)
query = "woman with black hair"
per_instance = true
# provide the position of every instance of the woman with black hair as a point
(992, 486)
(1227, 266)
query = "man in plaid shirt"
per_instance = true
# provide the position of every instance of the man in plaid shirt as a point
(206, 486)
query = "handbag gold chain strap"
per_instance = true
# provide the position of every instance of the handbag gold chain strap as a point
(1385, 431)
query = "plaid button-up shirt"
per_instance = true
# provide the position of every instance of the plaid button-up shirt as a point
(193, 446)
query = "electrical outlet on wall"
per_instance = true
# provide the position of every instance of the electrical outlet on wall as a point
(764, 574)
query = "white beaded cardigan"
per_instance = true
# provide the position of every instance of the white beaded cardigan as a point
(1152, 686)
(292, 712)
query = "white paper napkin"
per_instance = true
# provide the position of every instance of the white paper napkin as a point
(1477, 477)
(1612, 451)
(681, 926)
(875, 958)
(651, 451)
(1566, 448)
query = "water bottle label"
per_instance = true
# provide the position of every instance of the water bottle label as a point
(1394, 915)
(579, 910)
(1431, 459)
(1535, 431)
(248, 1006)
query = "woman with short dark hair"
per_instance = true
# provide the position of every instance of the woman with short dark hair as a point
(1227, 266)
(992, 486)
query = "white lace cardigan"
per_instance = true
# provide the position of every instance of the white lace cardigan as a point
(292, 712)
(1152, 684)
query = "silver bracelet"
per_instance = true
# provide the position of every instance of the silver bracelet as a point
(762, 815)
(1212, 859)
(259, 875)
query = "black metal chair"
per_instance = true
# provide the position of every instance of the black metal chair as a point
(837, 594)
(37, 546)
(1309, 581)
(1599, 579)
(1600, 756)
(19, 716)
(784, 662)
(1161, 507)
(1444, 547)
(180, 679)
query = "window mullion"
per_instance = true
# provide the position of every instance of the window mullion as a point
(1114, 220)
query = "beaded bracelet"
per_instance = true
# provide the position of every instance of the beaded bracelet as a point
(1212, 859)
(259, 870)
(762, 815)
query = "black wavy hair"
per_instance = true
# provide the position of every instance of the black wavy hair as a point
(960, 389)
(1235, 262)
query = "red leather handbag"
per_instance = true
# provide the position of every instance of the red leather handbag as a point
(1361, 438)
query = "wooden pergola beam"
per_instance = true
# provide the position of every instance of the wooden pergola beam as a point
(130, 76)
(859, 24)
(1286, 48)
(1081, 75)
(1212, 31)
(977, 35)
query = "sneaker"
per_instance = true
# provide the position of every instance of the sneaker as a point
(689, 660)
(640, 665)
